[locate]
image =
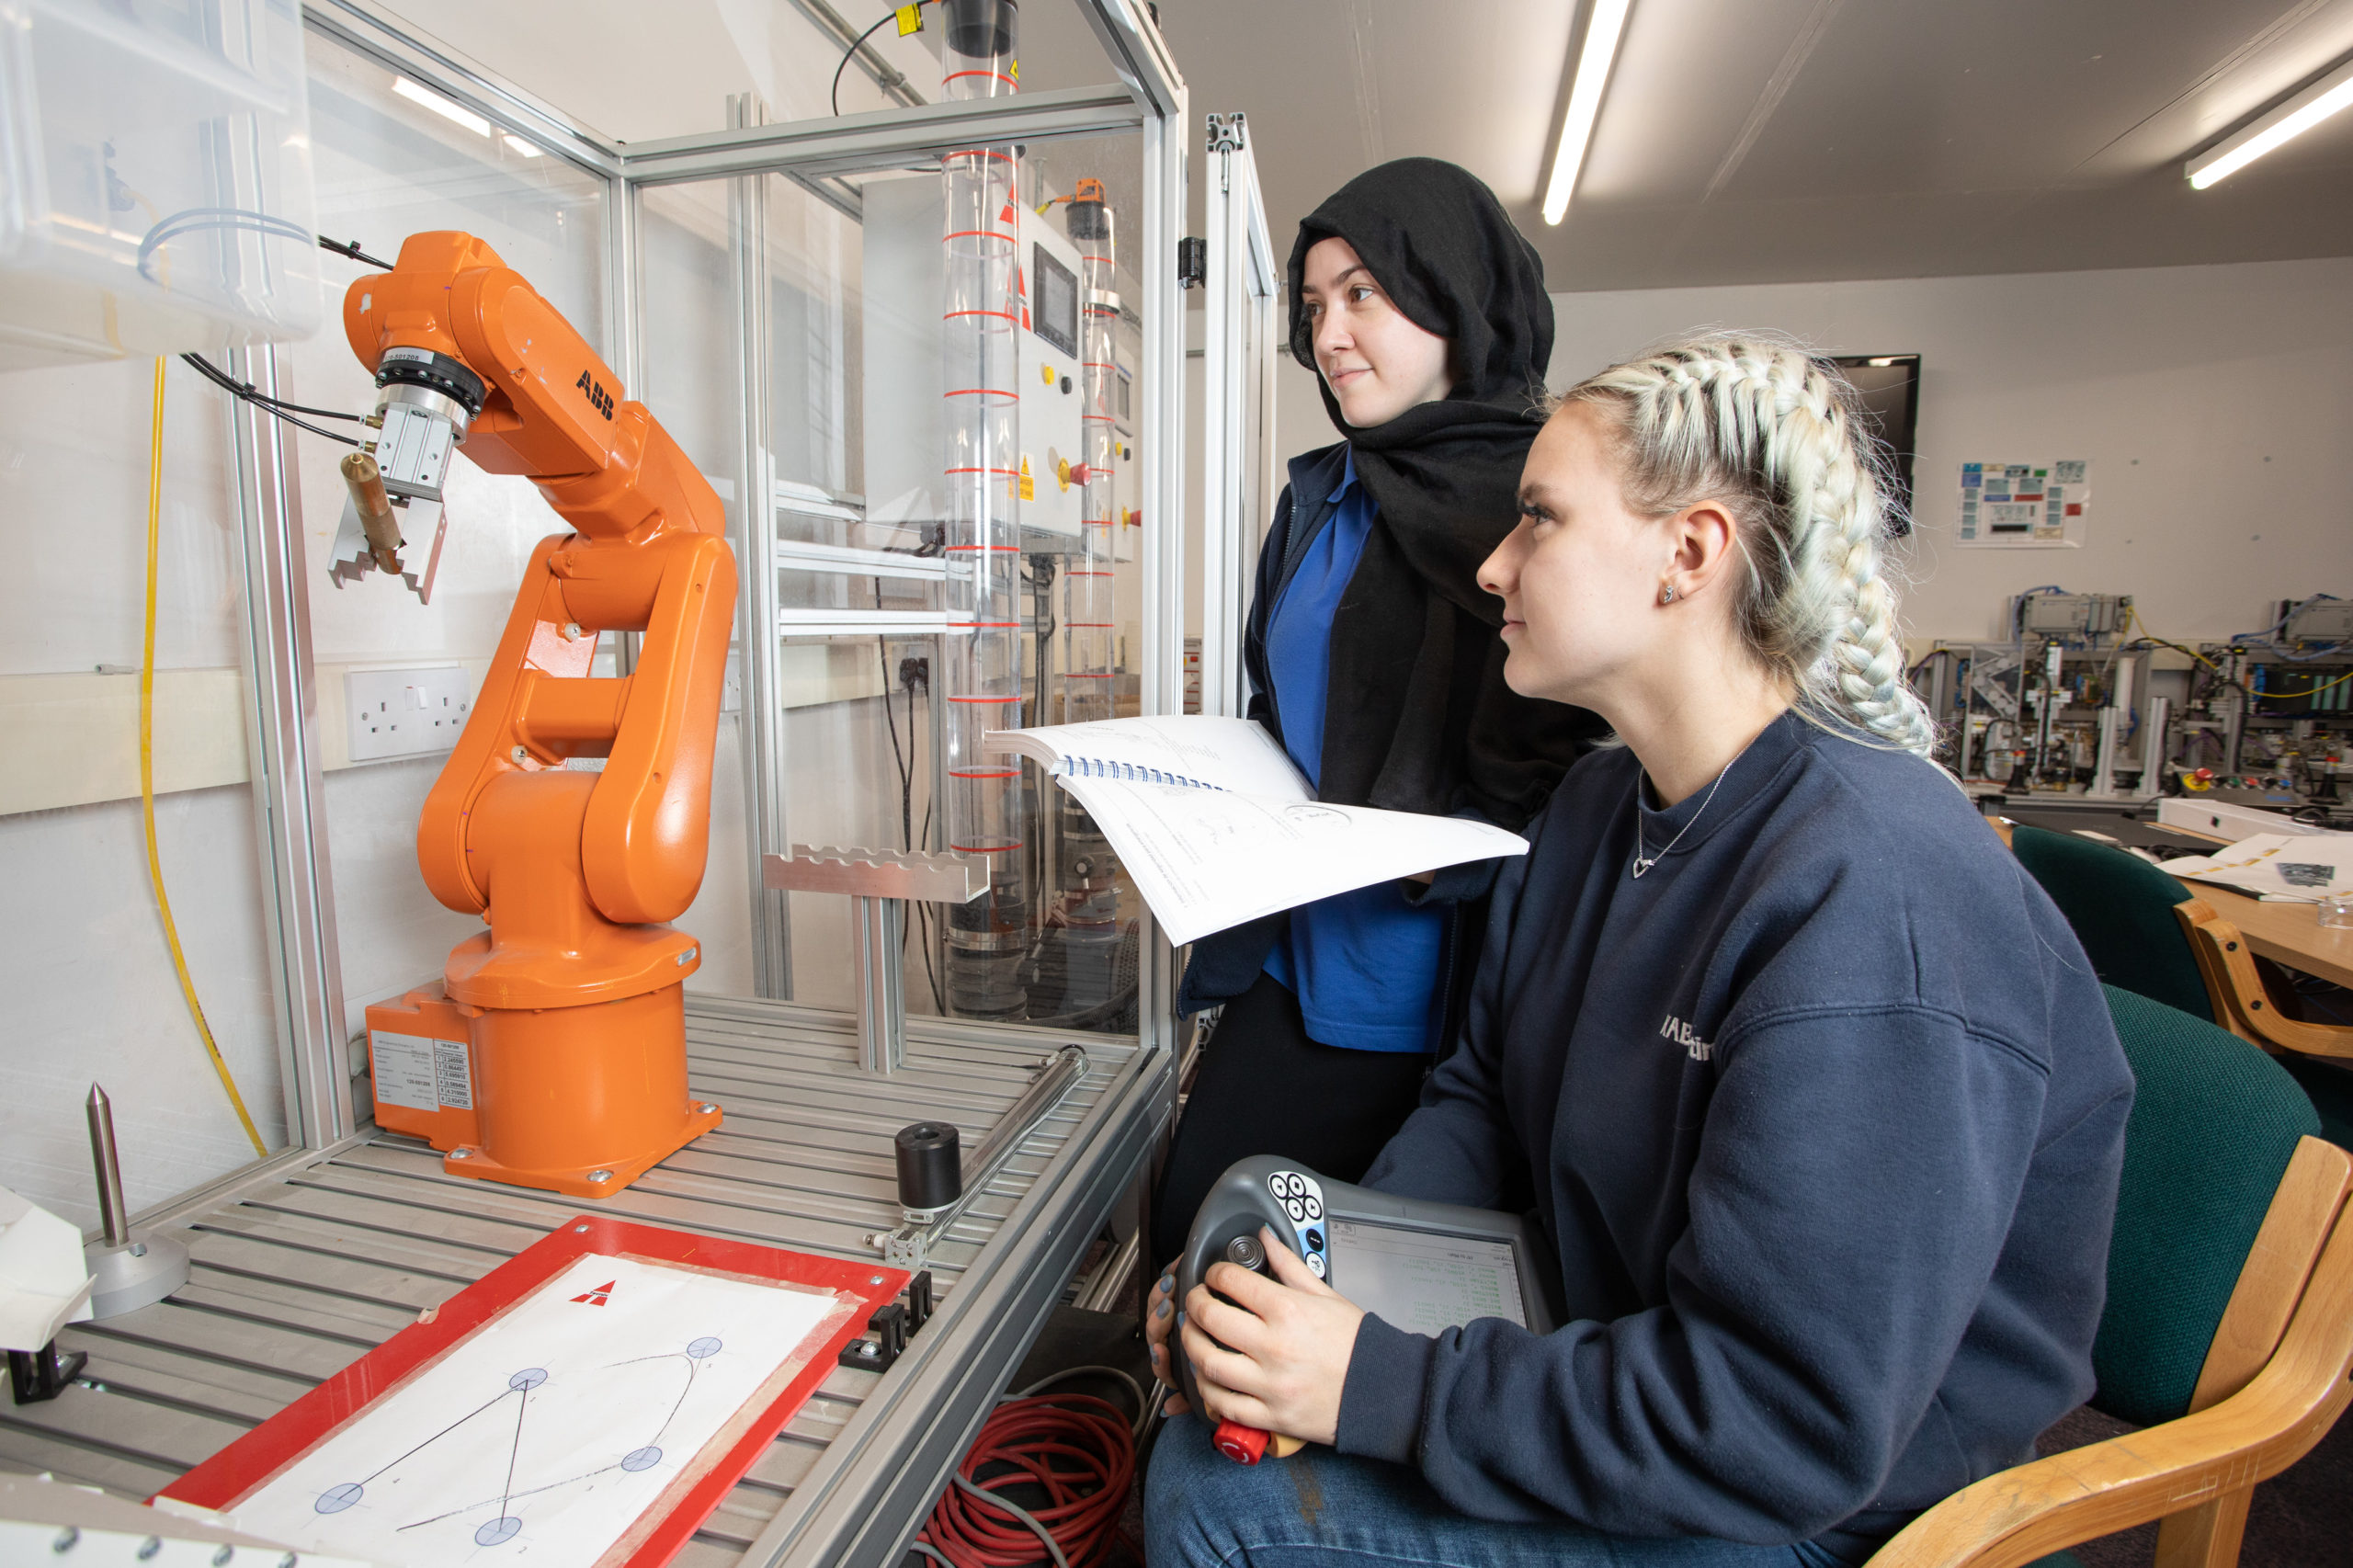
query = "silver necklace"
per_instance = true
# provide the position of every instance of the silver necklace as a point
(1644, 862)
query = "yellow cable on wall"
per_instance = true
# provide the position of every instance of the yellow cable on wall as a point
(147, 768)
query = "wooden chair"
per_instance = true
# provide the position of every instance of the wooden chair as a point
(2141, 934)
(2243, 1003)
(2228, 1329)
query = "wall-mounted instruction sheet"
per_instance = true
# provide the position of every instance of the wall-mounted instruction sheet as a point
(2043, 506)
(586, 1404)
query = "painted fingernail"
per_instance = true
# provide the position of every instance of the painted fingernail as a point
(1167, 1284)
(1160, 1311)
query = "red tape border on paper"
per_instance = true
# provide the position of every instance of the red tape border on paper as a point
(235, 1473)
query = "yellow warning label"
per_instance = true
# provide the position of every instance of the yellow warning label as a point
(1029, 485)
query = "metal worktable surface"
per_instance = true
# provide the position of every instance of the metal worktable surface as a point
(306, 1262)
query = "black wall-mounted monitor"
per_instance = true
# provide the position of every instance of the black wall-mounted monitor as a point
(1890, 385)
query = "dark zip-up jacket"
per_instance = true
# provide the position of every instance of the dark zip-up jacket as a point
(1226, 963)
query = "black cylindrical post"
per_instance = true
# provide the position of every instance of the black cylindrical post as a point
(931, 1165)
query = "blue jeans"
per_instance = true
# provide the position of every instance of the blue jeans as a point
(1322, 1509)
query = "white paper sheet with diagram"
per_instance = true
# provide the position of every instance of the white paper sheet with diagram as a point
(2029, 505)
(2277, 867)
(1217, 827)
(552, 1429)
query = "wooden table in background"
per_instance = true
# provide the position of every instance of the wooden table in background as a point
(2288, 934)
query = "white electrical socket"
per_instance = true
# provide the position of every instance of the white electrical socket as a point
(407, 712)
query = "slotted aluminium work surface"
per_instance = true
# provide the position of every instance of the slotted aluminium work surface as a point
(306, 1263)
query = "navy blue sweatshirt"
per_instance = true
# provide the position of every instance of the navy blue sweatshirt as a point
(1824, 1114)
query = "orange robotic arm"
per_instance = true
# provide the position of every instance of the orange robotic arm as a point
(465, 349)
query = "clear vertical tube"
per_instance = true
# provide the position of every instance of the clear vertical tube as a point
(980, 324)
(1087, 895)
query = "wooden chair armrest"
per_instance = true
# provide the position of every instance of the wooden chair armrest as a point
(2227, 964)
(2023, 1515)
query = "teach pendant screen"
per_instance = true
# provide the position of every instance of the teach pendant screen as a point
(1424, 1283)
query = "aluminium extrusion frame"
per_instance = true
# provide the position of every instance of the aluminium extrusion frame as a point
(1148, 98)
(759, 729)
(282, 761)
(857, 1507)
(854, 1507)
(1240, 289)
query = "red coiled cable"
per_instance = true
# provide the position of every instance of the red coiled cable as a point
(1080, 1449)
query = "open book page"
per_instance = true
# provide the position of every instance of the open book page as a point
(2281, 867)
(1223, 754)
(1205, 859)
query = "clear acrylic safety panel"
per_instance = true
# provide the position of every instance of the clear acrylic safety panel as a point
(94, 995)
(860, 417)
(393, 161)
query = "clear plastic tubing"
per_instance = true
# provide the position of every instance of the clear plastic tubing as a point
(980, 321)
(1088, 870)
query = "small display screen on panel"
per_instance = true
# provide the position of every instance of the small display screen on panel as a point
(1053, 305)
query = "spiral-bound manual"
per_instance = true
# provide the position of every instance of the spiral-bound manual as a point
(1216, 825)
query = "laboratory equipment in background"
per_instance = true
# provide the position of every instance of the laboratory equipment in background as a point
(984, 321)
(157, 169)
(1028, 489)
(1079, 947)
(553, 1052)
(774, 409)
(2053, 710)
(2085, 701)
(2268, 716)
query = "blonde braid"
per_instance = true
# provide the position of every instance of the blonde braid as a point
(1754, 421)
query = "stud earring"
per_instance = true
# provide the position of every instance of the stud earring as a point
(1666, 593)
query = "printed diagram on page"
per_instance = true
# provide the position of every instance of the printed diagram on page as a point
(547, 1434)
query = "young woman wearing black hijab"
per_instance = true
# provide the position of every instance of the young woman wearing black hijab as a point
(1373, 657)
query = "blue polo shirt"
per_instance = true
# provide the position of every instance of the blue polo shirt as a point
(1363, 964)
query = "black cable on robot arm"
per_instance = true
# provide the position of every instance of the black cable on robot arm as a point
(252, 393)
(268, 405)
(351, 249)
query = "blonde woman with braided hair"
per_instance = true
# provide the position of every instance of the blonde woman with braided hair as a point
(1813, 1091)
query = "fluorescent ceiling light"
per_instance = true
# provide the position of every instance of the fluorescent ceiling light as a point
(440, 105)
(1601, 32)
(2282, 125)
(521, 148)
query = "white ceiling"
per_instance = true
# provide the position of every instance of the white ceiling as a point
(1778, 141)
(1739, 142)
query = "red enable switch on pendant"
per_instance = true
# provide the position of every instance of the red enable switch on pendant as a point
(1243, 1445)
